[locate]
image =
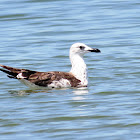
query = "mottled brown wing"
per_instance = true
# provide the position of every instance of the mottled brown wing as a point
(46, 78)
(41, 78)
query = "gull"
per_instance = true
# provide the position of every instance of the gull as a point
(77, 77)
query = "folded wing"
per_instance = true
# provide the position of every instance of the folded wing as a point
(43, 79)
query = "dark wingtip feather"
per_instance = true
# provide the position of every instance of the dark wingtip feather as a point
(10, 74)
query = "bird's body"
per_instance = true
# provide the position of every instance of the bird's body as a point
(77, 77)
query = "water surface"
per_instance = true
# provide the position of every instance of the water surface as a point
(37, 35)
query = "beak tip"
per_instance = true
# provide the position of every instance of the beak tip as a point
(95, 50)
(98, 51)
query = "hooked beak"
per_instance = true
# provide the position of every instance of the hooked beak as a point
(94, 50)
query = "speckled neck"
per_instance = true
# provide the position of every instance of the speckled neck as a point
(79, 68)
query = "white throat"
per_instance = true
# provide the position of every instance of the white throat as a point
(79, 69)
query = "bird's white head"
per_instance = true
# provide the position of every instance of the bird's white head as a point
(81, 49)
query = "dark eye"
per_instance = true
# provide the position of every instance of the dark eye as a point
(82, 48)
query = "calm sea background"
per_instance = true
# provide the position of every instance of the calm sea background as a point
(37, 35)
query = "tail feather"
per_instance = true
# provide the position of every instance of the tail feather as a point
(12, 72)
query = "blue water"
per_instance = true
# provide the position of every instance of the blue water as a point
(37, 35)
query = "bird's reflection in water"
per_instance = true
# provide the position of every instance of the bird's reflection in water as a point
(27, 92)
(80, 93)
